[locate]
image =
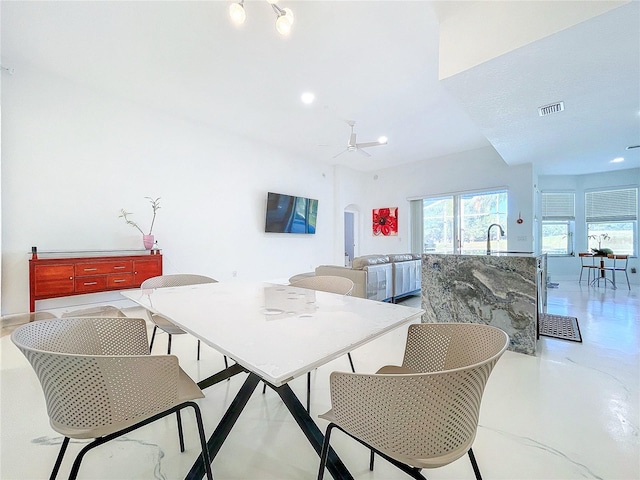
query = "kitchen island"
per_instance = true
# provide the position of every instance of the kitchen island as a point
(505, 290)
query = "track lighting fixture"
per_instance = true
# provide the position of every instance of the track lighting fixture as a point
(284, 16)
(284, 19)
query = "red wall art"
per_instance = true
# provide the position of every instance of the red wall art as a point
(385, 221)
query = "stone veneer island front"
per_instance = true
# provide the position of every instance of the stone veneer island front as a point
(507, 291)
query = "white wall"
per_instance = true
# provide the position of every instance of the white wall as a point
(472, 170)
(568, 268)
(350, 193)
(73, 157)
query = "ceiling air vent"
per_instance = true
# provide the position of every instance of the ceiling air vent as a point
(551, 108)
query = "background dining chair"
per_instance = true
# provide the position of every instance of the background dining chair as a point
(95, 311)
(326, 283)
(331, 284)
(619, 266)
(588, 264)
(423, 413)
(8, 323)
(99, 380)
(164, 324)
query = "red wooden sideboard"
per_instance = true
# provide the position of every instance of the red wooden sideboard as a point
(57, 275)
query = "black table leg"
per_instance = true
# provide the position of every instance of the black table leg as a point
(314, 435)
(305, 422)
(224, 427)
(220, 376)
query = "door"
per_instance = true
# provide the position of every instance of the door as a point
(349, 237)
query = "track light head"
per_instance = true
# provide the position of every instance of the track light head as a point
(284, 16)
(237, 13)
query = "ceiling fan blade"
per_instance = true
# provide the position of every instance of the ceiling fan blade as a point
(369, 144)
(343, 151)
(363, 152)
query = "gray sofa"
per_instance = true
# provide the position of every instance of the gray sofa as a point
(386, 278)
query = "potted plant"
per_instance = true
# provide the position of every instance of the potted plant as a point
(147, 239)
(601, 251)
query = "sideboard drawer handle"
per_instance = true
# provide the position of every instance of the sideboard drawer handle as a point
(90, 283)
(118, 267)
(90, 269)
(119, 281)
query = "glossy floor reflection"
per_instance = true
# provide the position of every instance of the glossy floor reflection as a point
(570, 412)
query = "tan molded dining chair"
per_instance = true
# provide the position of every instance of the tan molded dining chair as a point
(95, 311)
(9, 323)
(164, 324)
(99, 380)
(331, 284)
(326, 283)
(424, 413)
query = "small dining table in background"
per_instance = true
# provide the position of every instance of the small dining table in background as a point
(602, 271)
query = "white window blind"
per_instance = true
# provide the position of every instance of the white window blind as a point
(558, 206)
(611, 205)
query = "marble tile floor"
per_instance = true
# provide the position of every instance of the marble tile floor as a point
(570, 412)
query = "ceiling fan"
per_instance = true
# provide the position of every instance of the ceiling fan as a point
(354, 146)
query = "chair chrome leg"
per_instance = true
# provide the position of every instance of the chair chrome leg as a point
(351, 362)
(372, 457)
(102, 440)
(153, 337)
(56, 467)
(308, 392)
(169, 345)
(325, 451)
(203, 441)
(474, 464)
(180, 432)
(198, 357)
(97, 442)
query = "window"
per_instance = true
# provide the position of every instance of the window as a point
(612, 219)
(558, 223)
(438, 224)
(459, 223)
(477, 212)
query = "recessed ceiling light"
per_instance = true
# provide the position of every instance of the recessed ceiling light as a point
(617, 160)
(382, 140)
(308, 98)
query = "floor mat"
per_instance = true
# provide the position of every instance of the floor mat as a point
(560, 326)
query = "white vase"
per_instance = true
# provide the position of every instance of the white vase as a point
(147, 240)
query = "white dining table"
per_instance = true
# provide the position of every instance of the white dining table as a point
(274, 333)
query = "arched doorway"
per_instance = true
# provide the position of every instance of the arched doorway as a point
(351, 244)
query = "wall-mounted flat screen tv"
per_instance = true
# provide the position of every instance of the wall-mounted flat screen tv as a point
(290, 214)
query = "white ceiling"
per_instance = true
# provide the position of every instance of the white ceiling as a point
(374, 62)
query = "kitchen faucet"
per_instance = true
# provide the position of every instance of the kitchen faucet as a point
(489, 236)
